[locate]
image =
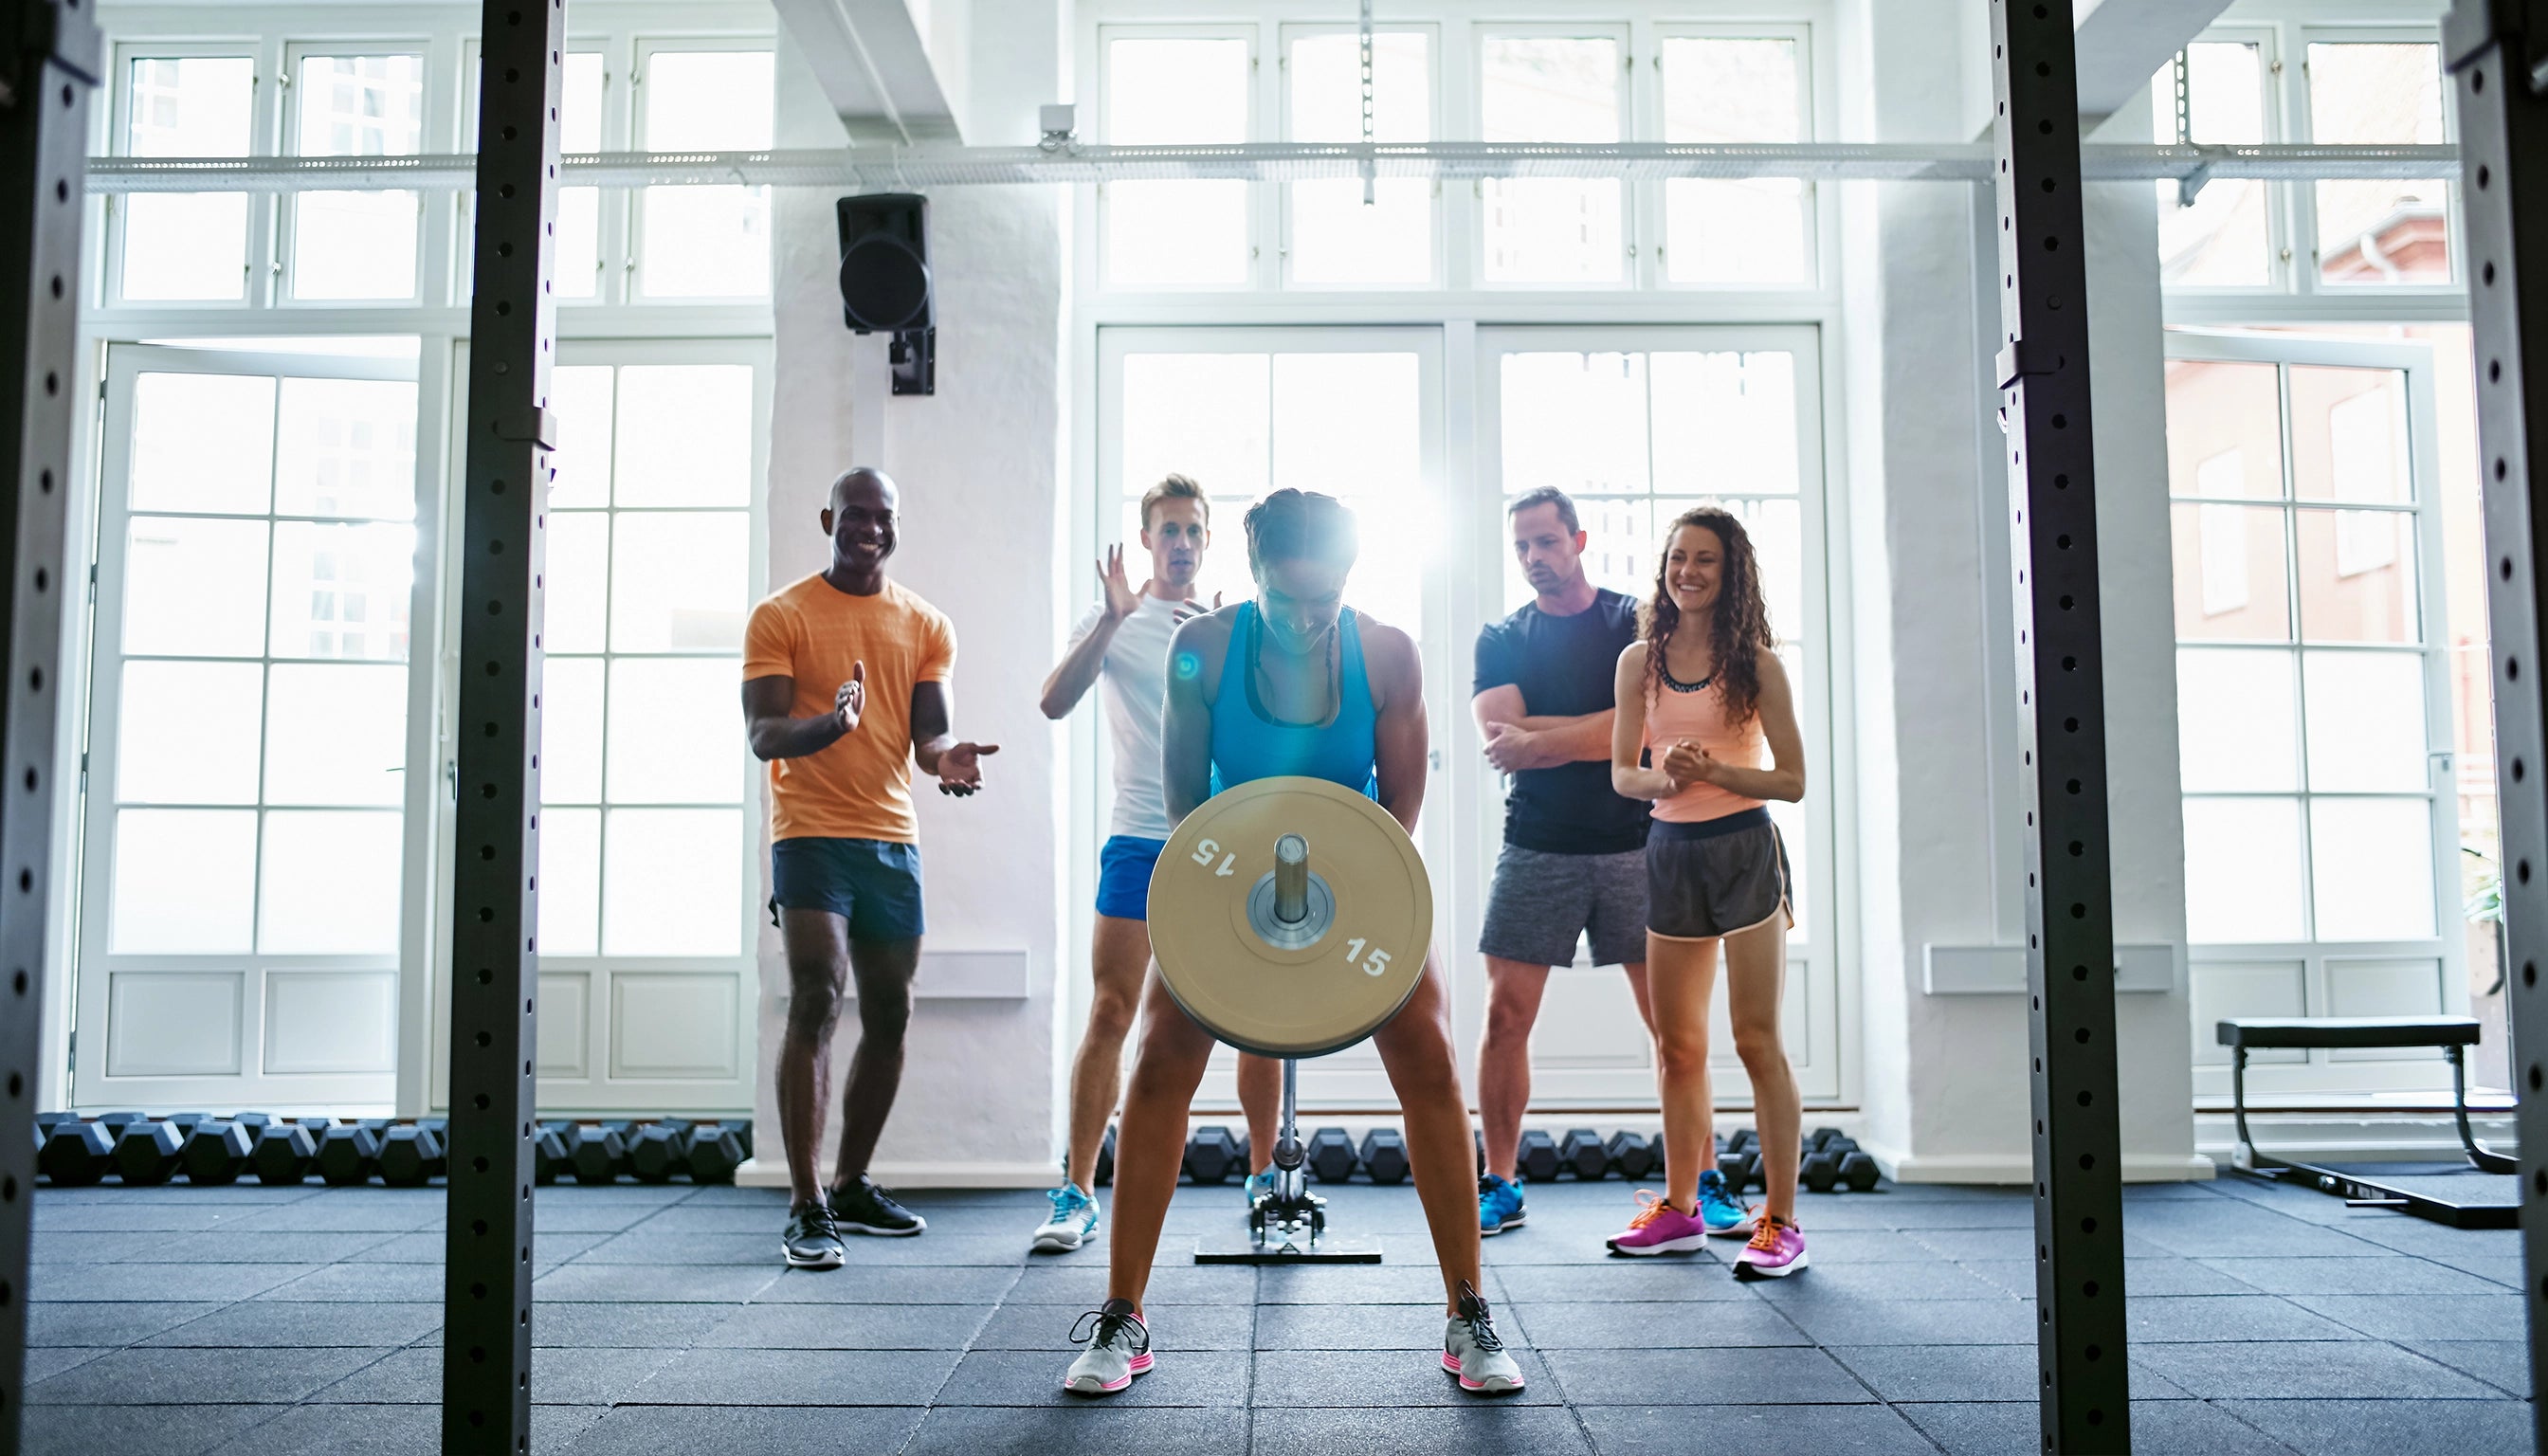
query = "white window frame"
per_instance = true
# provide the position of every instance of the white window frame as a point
(645, 47)
(1261, 272)
(436, 122)
(2302, 197)
(1652, 271)
(1285, 35)
(262, 122)
(1631, 211)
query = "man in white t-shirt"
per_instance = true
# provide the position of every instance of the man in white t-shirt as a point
(1124, 639)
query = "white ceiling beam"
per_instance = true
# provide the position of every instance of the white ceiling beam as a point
(2124, 42)
(875, 68)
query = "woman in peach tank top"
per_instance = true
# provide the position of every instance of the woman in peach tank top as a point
(1707, 729)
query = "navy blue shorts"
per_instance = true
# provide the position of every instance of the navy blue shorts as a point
(1124, 868)
(873, 883)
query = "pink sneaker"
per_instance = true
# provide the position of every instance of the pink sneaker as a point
(1659, 1229)
(1776, 1251)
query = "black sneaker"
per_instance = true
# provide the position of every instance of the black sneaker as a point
(812, 1239)
(862, 1206)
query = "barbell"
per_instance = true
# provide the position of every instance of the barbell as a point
(1291, 917)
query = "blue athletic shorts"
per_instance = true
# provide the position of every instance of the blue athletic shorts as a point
(873, 883)
(1124, 876)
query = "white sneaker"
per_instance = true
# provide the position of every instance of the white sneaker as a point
(1073, 1222)
(1473, 1351)
(1119, 1348)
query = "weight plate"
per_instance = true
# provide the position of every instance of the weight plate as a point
(1291, 1001)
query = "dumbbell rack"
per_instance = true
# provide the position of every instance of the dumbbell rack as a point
(1289, 1225)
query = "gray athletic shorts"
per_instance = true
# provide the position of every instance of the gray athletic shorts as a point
(1541, 902)
(1715, 877)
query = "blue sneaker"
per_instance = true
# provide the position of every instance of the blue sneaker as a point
(1498, 1205)
(1719, 1210)
(1073, 1222)
(1259, 1185)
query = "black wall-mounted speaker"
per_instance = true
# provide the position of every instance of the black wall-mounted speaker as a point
(886, 281)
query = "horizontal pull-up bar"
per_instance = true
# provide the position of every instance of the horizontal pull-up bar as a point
(1272, 162)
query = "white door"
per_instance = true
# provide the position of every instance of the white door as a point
(1638, 424)
(2321, 835)
(253, 782)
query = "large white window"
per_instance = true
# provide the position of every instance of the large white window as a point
(180, 246)
(1167, 89)
(1736, 87)
(703, 242)
(356, 245)
(1338, 237)
(1553, 86)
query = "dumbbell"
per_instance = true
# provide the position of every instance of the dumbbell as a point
(1820, 1171)
(1331, 1155)
(1383, 1155)
(548, 1153)
(1820, 1139)
(595, 1153)
(185, 1122)
(147, 1153)
(1537, 1162)
(1213, 1154)
(661, 1151)
(411, 1156)
(349, 1154)
(255, 1122)
(716, 1150)
(1858, 1171)
(116, 1121)
(216, 1152)
(1631, 1155)
(76, 1154)
(283, 1154)
(1580, 1151)
(1745, 1139)
(1740, 1169)
(1104, 1173)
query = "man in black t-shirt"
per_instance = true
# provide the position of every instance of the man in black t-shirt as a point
(1574, 858)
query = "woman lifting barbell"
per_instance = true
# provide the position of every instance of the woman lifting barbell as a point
(1703, 689)
(1295, 683)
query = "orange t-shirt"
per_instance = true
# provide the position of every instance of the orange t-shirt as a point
(860, 787)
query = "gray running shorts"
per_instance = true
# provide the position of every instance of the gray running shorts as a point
(1541, 902)
(1715, 877)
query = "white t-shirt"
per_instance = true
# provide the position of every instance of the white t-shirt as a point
(1136, 678)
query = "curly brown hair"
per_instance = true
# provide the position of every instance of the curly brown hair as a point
(1738, 631)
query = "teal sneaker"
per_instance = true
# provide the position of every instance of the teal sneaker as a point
(1259, 1185)
(1073, 1222)
(1720, 1209)
(1498, 1205)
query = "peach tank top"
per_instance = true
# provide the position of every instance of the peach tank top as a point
(1677, 710)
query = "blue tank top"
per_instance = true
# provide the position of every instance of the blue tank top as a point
(1246, 741)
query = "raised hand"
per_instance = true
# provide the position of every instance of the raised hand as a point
(960, 768)
(851, 701)
(1120, 599)
(1189, 610)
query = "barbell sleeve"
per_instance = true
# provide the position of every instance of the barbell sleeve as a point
(1291, 878)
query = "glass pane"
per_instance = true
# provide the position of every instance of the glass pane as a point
(580, 104)
(357, 244)
(343, 590)
(330, 883)
(194, 587)
(1176, 234)
(1576, 421)
(2373, 859)
(1724, 89)
(1725, 422)
(570, 880)
(577, 580)
(675, 736)
(2380, 231)
(1549, 88)
(202, 443)
(2224, 430)
(571, 731)
(1777, 539)
(2349, 436)
(2357, 571)
(346, 447)
(186, 733)
(685, 436)
(1202, 416)
(336, 736)
(580, 466)
(1347, 425)
(1337, 238)
(2243, 870)
(185, 881)
(2236, 729)
(680, 581)
(181, 246)
(2366, 721)
(2224, 239)
(578, 243)
(706, 241)
(672, 882)
(1167, 89)
(2229, 583)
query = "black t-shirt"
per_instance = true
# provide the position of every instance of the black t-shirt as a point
(1565, 666)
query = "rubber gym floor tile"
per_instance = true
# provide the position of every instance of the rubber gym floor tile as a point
(2155, 1277)
(1583, 1243)
(1616, 1326)
(623, 1327)
(1864, 1246)
(2425, 1238)
(51, 1324)
(1912, 1321)
(1084, 1285)
(264, 1324)
(136, 1377)
(1978, 1246)
(2342, 1427)
(350, 1210)
(697, 1218)
(759, 1247)
(2502, 1269)
(874, 1286)
(1524, 1431)
(1725, 1376)
(343, 1431)
(1355, 1327)
(89, 1431)
(603, 1218)
(1942, 1371)
(548, 1250)
(1675, 1431)
(1209, 1378)
(2502, 1363)
(259, 1246)
(1637, 1281)
(1097, 1431)
(2225, 1317)
(1961, 1212)
(1172, 1328)
(1396, 1378)
(415, 1283)
(1935, 1280)
(785, 1430)
(156, 1282)
(1866, 1212)
(1365, 1284)
(58, 1247)
(2399, 1317)
(612, 1283)
(2381, 1274)
(931, 1249)
(2261, 1234)
(56, 1217)
(2296, 1370)
(798, 1378)
(51, 1360)
(2178, 1427)
(586, 1377)
(846, 1327)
